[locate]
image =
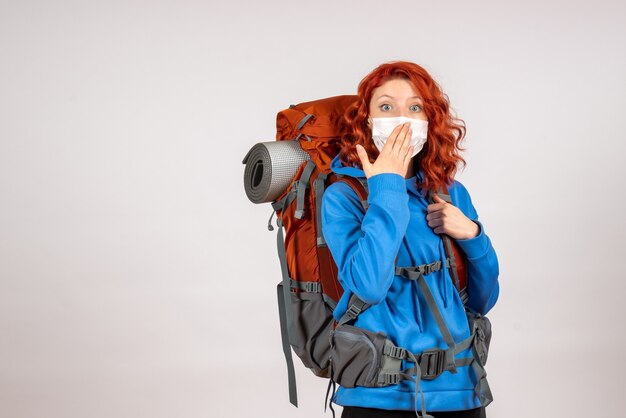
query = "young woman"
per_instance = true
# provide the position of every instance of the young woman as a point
(403, 140)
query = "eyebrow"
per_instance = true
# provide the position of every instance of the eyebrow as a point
(393, 98)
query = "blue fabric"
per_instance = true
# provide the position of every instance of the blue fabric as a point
(364, 247)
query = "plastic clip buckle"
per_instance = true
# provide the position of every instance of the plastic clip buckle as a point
(353, 311)
(432, 363)
(396, 352)
(390, 379)
(312, 287)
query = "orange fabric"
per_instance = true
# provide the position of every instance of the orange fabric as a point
(324, 128)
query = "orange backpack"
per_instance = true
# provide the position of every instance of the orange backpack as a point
(310, 289)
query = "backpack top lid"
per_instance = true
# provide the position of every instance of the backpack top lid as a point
(327, 117)
(318, 126)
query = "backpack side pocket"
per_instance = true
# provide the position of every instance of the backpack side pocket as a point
(356, 356)
(313, 320)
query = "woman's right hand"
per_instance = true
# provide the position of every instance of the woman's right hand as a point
(395, 155)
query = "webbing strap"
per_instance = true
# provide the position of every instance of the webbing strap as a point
(432, 305)
(349, 180)
(355, 307)
(448, 243)
(303, 183)
(303, 121)
(482, 389)
(417, 380)
(415, 272)
(286, 200)
(284, 334)
(455, 273)
(464, 296)
(399, 353)
(465, 344)
(330, 381)
(319, 193)
(311, 287)
(465, 361)
(386, 378)
(329, 301)
(286, 316)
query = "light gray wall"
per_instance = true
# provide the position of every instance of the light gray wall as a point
(136, 279)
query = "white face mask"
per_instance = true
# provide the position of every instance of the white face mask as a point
(382, 128)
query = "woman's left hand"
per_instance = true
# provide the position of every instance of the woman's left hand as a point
(444, 217)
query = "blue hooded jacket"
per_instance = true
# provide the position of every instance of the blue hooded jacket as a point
(364, 246)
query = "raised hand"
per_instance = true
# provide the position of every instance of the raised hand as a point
(395, 155)
(445, 218)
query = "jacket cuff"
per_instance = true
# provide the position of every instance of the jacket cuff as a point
(385, 186)
(475, 247)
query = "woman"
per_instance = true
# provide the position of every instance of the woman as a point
(401, 163)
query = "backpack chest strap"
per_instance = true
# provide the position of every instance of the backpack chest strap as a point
(415, 272)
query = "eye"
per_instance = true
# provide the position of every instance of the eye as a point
(385, 107)
(415, 108)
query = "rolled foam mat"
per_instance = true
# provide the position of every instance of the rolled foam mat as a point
(270, 167)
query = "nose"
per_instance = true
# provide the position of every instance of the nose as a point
(404, 112)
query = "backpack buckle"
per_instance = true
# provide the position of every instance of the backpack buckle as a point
(385, 379)
(313, 287)
(432, 363)
(353, 311)
(394, 352)
(429, 268)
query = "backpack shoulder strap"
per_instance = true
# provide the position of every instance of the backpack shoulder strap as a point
(359, 185)
(458, 269)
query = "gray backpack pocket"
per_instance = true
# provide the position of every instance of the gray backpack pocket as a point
(313, 324)
(356, 356)
(482, 327)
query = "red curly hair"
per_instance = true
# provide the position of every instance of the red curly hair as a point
(440, 155)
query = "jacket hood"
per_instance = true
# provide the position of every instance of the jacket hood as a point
(337, 167)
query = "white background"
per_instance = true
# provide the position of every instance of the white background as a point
(137, 280)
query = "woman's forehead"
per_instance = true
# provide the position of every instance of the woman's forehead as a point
(395, 89)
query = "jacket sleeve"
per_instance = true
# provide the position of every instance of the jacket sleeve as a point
(482, 269)
(364, 245)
